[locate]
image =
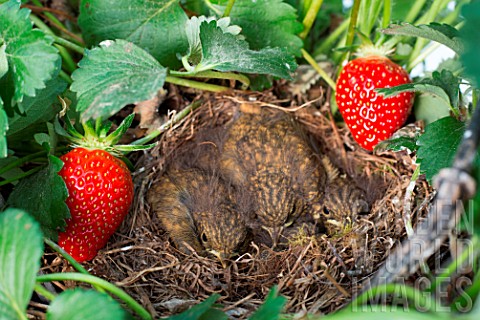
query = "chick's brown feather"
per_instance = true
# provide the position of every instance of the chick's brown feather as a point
(271, 158)
(197, 209)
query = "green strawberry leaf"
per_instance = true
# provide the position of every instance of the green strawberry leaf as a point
(20, 252)
(448, 82)
(438, 145)
(471, 33)
(3, 131)
(198, 311)
(42, 108)
(156, 26)
(271, 308)
(46, 204)
(415, 87)
(80, 304)
(430, 108)
(223, 51)
(31, 58)
(267, 28)
(113, 75)
(441, 33)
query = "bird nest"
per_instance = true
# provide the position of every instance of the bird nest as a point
(318, 274)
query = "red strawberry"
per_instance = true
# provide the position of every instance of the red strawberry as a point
(100, 187)
(100, 192)
(370, 117)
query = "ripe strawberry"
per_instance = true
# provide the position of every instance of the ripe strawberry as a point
(370, 117)
(100, 187)
(100, 192)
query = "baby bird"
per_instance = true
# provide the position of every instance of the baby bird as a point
(271, 158)
(344, 201)
(197, 210)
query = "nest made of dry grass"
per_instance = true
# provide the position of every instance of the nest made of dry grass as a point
(316, 274)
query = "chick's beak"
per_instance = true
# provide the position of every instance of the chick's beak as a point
(275, 233)
(221, 256)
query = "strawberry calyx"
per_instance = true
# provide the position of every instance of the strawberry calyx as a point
(368, 50)
(96, 135)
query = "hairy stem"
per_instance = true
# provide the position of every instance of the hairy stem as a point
(69, 45)
(57, 23)
(310, 17)
(44, 292)
(317, 68)
(214, 75)
(351, 28)
(228, 8)
(333, 37)
(135, 306)
(20, 176)
(66, 57)
(387, 13)
(196, 84)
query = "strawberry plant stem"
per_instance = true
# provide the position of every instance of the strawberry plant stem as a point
(387, 13)
(414, 11)
(44, 292)
(310, 17)
(67, 257)
(57, 23)
(69, 45)
(196, 84)
(65, 76)
(317, 68)
(215, 75)
(351, 28)
(20, 176)
(20, 161)
(68, 61)
(228, 8)
(419, 299)
(71, 276)
(176, 118)
(70, 259)
(429, 16)
(327, 44)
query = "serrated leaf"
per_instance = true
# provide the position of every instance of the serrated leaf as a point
(46, 204)
(441, 33)
(80, 304)
(448, 82)
(39, 109)
(196, 312)
(3, 131)
(415, 87)
(32, 60)
(271, 308)
(192, 29)
(21, 247)
(113, 75)
(156, 26)
(226, 52)
(438, 145)
(264, 27)
(470, 34)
